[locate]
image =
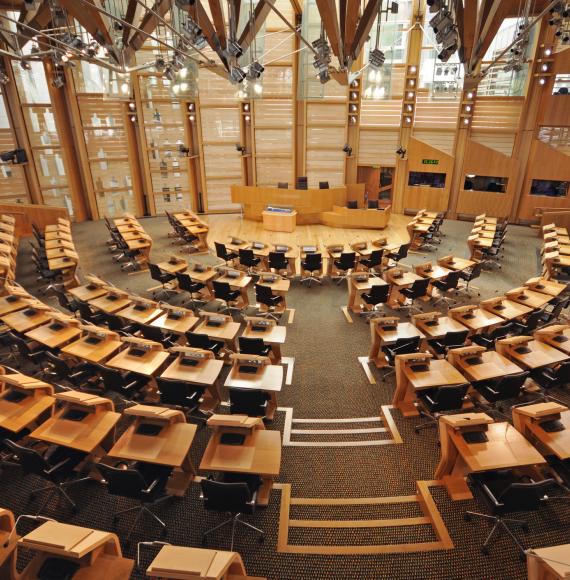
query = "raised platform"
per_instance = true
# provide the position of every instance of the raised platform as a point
(343, 217)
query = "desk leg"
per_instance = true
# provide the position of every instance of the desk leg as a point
(264, 491)
(181, 478)
(292, 266)
(212, 398)
(271, 406)
(374, 354)
(276, 349)
(244, 297)
(404, 395)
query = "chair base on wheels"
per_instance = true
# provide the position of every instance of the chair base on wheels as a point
(500, 523)
(311, 278)
(233, 521)
(60, 490)
(142, 509)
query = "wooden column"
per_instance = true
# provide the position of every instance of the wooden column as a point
(139, 135)
(66, 138)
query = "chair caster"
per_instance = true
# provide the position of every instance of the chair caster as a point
(261, 539)
(164, 533)
(416, 430)
(32, 496)
(525, 528)
(74, 509)
(115, 519)
(467, 517)
(203, 540)
(485, 551)
(522, 557)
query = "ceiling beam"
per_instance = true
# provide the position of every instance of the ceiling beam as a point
(208, 30)
(350, 22)
(130, 18)
(218, 20)
(38, 21)
(92, 20)
(491, 20)
(364, 25)
(148, 24)
(249, 31)
(327, 10)
(466, 13)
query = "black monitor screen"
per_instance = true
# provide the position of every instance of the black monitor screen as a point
(549, 187)
(485, 183)
(426, 178)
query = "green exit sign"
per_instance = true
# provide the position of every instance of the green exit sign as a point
(430, 161)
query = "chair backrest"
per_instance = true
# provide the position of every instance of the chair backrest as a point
(251, 402)
(85, 311)
(501, 331)
(452, 279)
(347, 260)
(59, 364)
(155, 272)
(419, 288)
(175, 392)
(30, 460)
(221, 289)
(563, 372)
(532, 320)
(62, 299)
(114, 322)
(313, 262)
(111, 378)
(245, 255)
(450, 397)
(220, 496)
(19, 343)
(475, 271)
(375, 258)
(278, 260)
(198, 340)
(263, 294)
(251, 345)
(123, 482)
(407, 345)
(221, 250)
(556, 311)
(455, 338)
(402, 252)
(184, 281)
(510, 386)
(283, 185)
(521, 496)
(380, 294)
(151, 332)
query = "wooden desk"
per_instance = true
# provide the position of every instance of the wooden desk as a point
(240, 284)
(505, 448)
(267, 378)
(403, 281)
(356, 288)
(529, 297)
(408, 381)
(507, 309)
(97, 553)
(176, 325)
(21, 322)
(273, 335)
(173, 266)
(551, 563)
(226, 332)
(92, 434)
(492, 366)
(527, 419)
(550, 287)
(206, 372)
(443, 325)
(387, 335)
(557, 336)
(8, 542)
(12, 303)
(279, 222)
(480, 319)
(87, 292)
(54, 338)
(260, 454)
(134, 313)
(433, 272)
(97, 353)
(540, 354)
(36, 406)
(147, 365)
(110, 303)
(171, 447)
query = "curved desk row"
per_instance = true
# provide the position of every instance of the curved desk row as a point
(313, 206)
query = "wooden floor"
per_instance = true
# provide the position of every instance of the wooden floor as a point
(223, 226)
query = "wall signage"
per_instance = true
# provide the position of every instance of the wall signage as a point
(430, 161)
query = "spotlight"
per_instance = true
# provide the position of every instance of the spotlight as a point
(26, 65)
(237, 75)
(434, 5)
(401, 152)
(193, 33)
(255, 70)
(542, 81)
(170, 73)
(240, 148)
(441, 21)
(58, 82)
(192, 118)
(4, 78)
(347, 149)
(324, 75)
(376, 59)
(233, 49)
(132, 106)
(159, 64)
(247, 118)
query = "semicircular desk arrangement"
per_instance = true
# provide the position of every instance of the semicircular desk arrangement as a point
(114, 348)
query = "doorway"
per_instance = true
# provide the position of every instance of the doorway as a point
(377, 183)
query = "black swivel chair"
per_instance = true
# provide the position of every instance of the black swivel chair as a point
(552, 377)
(417, 290)
(505, 492)
(377, 296)
(502, 388)
(345, 264)
(204, 342)
(88, 314)
(448, 284)
(253, 346)
(65, 302)
(398, 256)
(118, 324)
(441, 346)
(488, 340)
(223, 254)
(468, 276)
(186, 284)
(227, 296)
(313, 264)
(372, 204)
(249, 260)
(373, 261)
(56, 466)
(278, 262)
(181, 394)
(401, 346)
(435, 402)
(126, 385)
(156, 334)
(232, 497)
(250, 402)
(142, 482)
(164, 278)
(264, 295)
(57, 369)
(21, 350)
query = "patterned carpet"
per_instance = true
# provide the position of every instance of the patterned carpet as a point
(328, 383)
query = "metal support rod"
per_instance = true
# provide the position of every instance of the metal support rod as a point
(292, 28)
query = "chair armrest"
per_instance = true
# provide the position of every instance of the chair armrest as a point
(151, 487)
(490, 495)
(57, 466)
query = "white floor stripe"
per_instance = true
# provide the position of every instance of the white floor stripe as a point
(337, 431)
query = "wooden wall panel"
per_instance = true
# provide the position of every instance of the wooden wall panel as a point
(378, 147)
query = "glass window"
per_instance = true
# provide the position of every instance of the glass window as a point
(549, 187)
(485, 183)
(426, 179)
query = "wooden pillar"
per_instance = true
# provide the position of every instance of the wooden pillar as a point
(67, 142)
(18, 124)
(138, 133)
(136, 152)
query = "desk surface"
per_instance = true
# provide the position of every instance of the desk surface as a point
(145, 316)
(406, 279)
(494, 365)
(54, 338)
(440, 372)
(260, 454)
(8, 304)
(93, 352)
(87, 292)
(205, 372)
(402, 330)
(16, 416)
(530, 298)
(170, 447)
(271, 335)
(444, 325)
(227, 331)
(505, 447)
(176, 325)
(541, 355)
(481, 319)
(550, 287)
(20, 322)
(557, 442)
(435, 273)
(563, 346)
(267, 378)
(147, 364)
(240, 282)
(508, 309)
(110, 306)
(85, 435)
